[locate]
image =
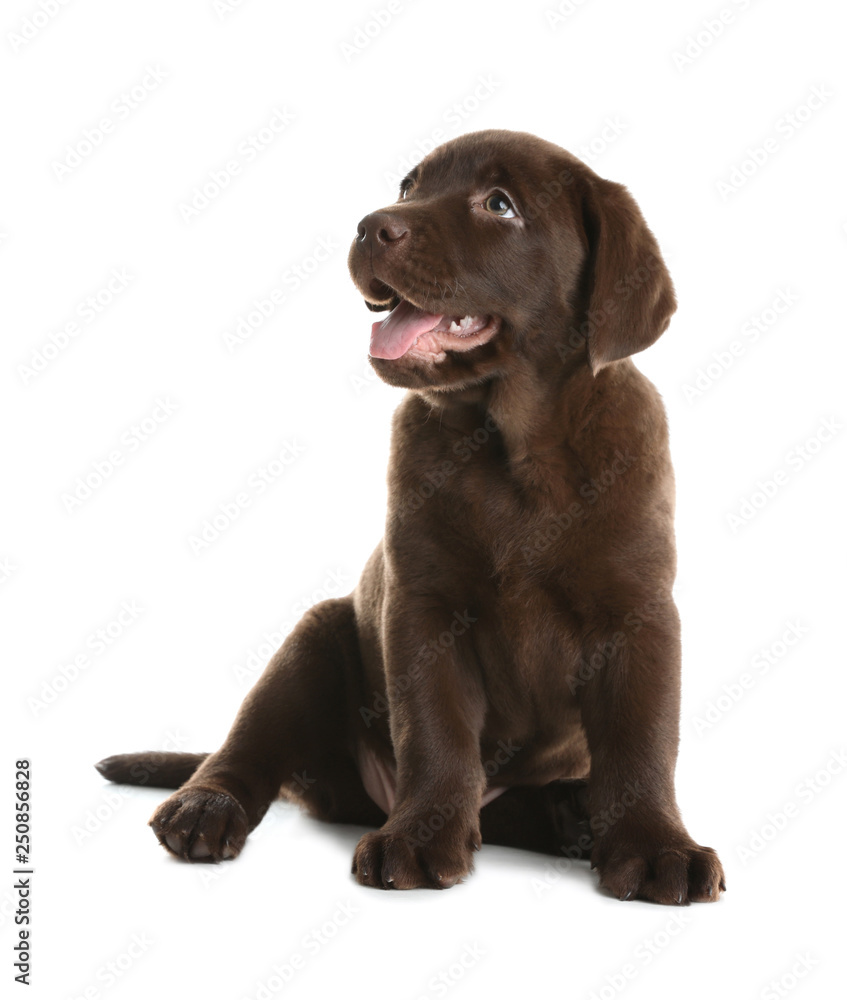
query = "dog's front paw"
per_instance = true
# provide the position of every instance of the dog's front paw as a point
(198, 824)
(397, 859)
(676, 873)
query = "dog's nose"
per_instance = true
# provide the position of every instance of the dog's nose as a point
(381, 230)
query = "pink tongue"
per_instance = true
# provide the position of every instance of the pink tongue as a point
(399, 330)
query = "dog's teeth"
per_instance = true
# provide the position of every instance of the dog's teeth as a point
(454, 327)
(466, 322)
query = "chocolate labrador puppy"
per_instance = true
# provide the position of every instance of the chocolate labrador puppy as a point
(508, 668)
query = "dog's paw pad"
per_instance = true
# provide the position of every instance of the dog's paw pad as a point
(197, 824)
(396, 861)
(675, 876)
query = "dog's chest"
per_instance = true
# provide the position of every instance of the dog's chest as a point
(523, 522)
(505, 549)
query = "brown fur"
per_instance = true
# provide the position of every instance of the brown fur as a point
(515, 628)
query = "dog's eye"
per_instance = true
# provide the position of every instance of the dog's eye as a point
(499, 204)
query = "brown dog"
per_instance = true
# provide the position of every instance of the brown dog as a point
(507, 669)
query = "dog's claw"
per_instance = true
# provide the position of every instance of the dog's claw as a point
(687, 873)
(396, 864)
(198, 824)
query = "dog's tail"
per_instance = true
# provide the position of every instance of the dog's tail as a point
(153, 767)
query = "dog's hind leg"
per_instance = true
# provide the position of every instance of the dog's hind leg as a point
(550, 819)
(292, 735)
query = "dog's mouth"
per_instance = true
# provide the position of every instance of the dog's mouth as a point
(409, 330)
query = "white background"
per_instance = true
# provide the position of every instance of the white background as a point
(602, 80)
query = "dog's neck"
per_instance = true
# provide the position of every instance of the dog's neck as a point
(534, 425)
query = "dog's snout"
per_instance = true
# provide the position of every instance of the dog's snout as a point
(381, 230)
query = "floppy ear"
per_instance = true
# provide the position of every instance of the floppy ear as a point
(631, 297)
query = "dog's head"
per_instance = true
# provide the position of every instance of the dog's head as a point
(501, 244)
